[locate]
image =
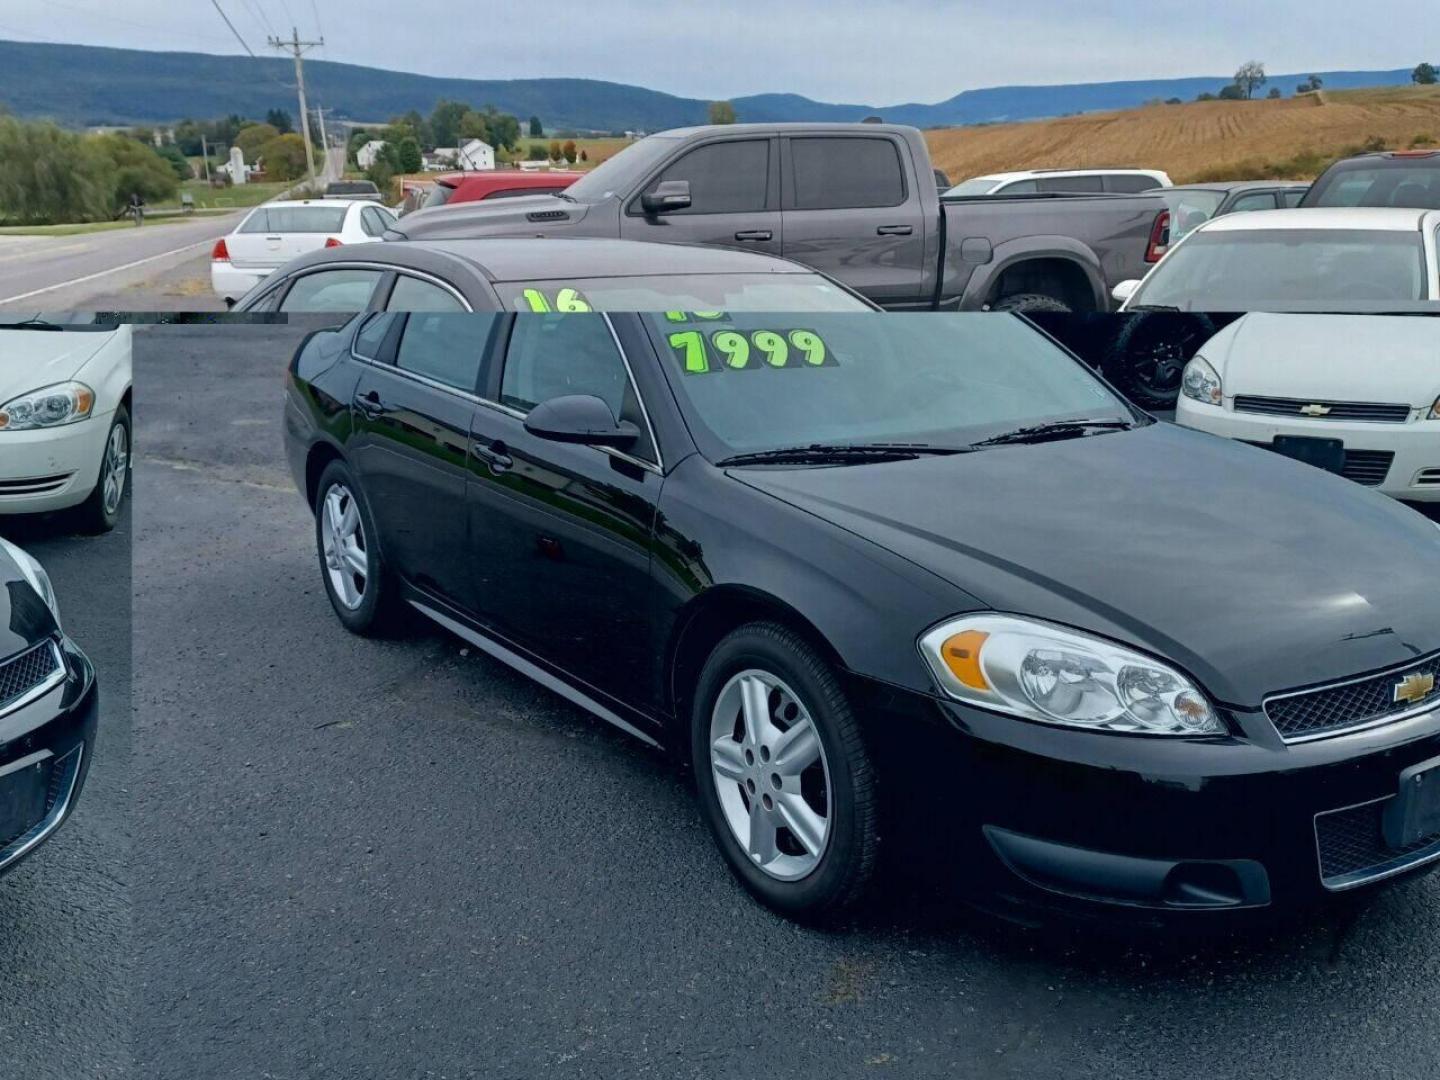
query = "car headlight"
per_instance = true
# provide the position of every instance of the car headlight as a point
(1055, 675)
(34, 574)
(50, 406)
(1200, 383)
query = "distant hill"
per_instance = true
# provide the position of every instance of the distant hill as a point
(1203, 140)
(83, 85)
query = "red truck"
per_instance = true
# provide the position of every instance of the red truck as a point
(500, 184)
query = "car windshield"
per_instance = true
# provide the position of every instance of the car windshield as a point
(637, 158)
(1413, 183)
(1189, 209)
(703, 292)
(756, 383)
(1268, 269)
(977, 185)
(295, 219)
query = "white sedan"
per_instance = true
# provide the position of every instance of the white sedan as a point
(64, 420)
(1356, 394)
(1348, 259)
(273, 234)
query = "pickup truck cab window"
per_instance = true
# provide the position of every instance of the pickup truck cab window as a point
(845, 172)
(729, 177)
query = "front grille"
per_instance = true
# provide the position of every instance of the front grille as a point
(1338, 410)
(59, 778)
(1368, 467)
(1352, 846)
(24, 672)
(1360, 702)
(35, 485)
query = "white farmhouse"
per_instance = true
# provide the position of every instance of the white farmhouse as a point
(475, 155)
(366, 155)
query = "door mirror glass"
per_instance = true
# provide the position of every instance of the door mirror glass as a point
(668, 195)
(1124, 290)
(580, 418)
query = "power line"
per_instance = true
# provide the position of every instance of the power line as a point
(297, 48)
(319, 30)
(258, 14)
(232, 27)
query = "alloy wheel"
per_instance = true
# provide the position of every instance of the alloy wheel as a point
(114, 468)
(343, 537)
(771, 775)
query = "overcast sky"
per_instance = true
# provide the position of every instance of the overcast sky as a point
(834, 50)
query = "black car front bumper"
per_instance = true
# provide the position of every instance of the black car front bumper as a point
(45, 751)
(1070, 818)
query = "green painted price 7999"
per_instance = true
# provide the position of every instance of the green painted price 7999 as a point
(700, 352)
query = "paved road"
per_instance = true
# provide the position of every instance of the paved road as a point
(66, 944)
(398, 858)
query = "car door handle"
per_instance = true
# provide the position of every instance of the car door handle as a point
(493, 454)
(754, 234)
(895, 230)
(370, 405)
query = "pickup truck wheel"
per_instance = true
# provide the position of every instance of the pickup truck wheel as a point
(1029, 302)
(785, 781)
(1148, 358)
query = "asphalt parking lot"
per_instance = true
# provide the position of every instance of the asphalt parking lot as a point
(398, 858)
(65, 915)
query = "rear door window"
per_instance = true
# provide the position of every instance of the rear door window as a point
(1129, 183)
(373, 222)
(445, 348)
(848, 172)
(412, 294)
(332, 290)
(724, 177)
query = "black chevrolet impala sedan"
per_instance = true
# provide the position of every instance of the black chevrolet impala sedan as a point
(48, 707)
(926, 579)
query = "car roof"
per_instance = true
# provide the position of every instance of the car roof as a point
(845, 127)
(1377, 218)
(1241, 185)
(538, 259)
(1028, 174)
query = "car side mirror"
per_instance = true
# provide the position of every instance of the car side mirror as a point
(580, 418)
(1123, 291)
(668, 195)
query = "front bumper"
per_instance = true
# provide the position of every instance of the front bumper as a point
(45, 752)
(1093, 822)
(1403, 458)
(52, 469)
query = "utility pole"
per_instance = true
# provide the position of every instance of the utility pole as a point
(324, 142)
(297, 48)
(205, 156)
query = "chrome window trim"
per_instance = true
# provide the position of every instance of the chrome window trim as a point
(362, 265)
(40, 689)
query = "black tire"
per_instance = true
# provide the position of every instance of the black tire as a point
(93, 516)
(845, 866)
(379, 611)
(1147, 359)
(1029, 302)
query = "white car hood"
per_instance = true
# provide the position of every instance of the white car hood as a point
(30, 359)
(1389, 359)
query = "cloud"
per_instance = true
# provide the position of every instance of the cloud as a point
(836, 50)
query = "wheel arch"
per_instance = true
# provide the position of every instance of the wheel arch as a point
(317, 460)
(1044, 265)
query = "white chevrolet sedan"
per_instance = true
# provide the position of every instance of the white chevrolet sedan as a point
(271, 235)
(64, 420)
(1358, 395)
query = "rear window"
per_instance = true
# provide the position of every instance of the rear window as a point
(688, 292)
(843, 173)
(1130, 183)
(295, 219)
(1279, 269)
(1406, 182)
(1062, 184)
(351, 187)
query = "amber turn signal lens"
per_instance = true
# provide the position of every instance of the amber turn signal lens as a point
(84, 401)
(961, 654)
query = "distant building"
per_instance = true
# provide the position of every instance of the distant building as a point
(475, 155)
(366, 155)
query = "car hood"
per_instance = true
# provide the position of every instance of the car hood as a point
(524, 215)
(24, 618)
(1390, 359)
(30, 359)
(1253, 572)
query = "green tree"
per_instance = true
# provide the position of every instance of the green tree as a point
(1204, 95)
(1425, 75)
(50, 176)
(1233, 92)
(537, 152)
(408, 156)
(1274, 93)
(135, 169)
(253, 136)
(722, 112)
(1309, 85)
(280, 120)
(178, 162)
(569, 151)
(475, 125)
(284, 157)
(445, 121)
(536, 130)
(1249, 77)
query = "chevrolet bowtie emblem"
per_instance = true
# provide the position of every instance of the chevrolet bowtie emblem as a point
(1316, 410)
(1414, 688)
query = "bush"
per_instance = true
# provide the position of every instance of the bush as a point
(1421, 141)
(135, 168)
(49, 176)
(252, 137)
(284, 157)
